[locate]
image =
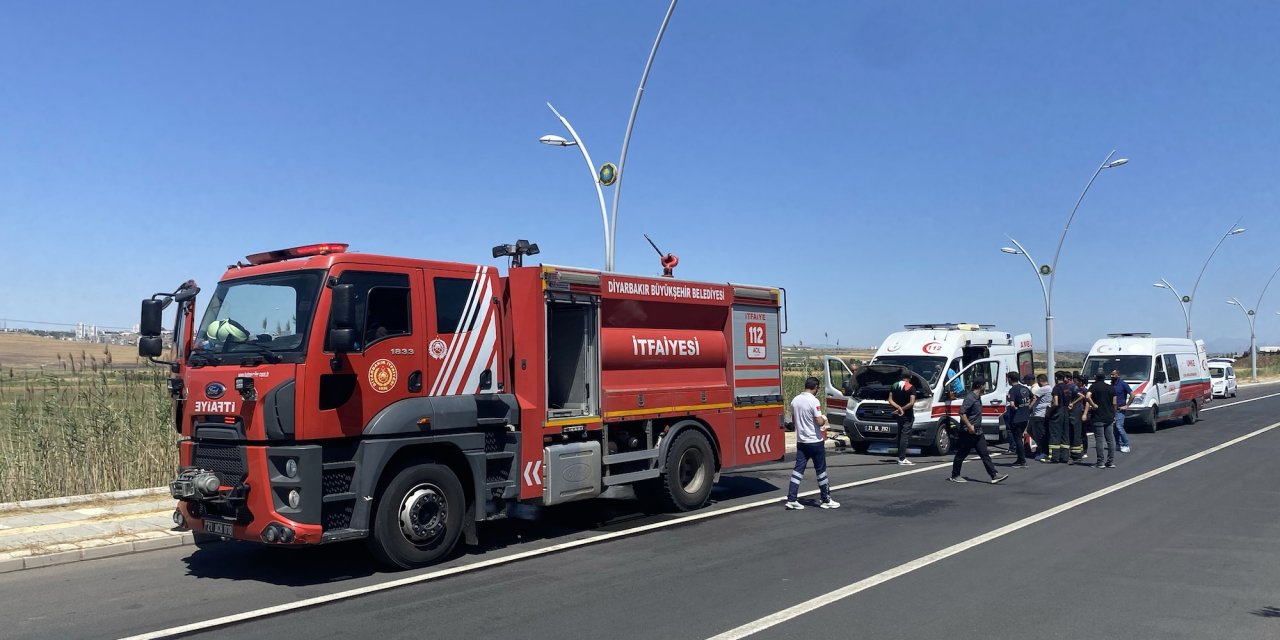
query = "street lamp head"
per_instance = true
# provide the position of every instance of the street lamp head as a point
(556, 141)
(1116, 163)
(1160, 284)
(1010, 250)
(1235, 232)
(1233, 302)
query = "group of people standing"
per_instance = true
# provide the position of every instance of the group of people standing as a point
(1060, 412)
(1054, 417)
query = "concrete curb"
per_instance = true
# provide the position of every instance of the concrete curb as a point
(65, 501)
(168, 540)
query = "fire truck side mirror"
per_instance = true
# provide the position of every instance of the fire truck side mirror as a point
(150, 346)
(151, 317)
(342, 318)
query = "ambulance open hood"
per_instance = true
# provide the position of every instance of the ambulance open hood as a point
(874, 381)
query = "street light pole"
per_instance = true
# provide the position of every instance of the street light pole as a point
(1250, 314)
(591, 168)
(611, 221)
(1235, 230)
(1048, 304)
(1182, 301)
(1051, 270)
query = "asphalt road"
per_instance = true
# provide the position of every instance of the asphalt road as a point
(1160, 547)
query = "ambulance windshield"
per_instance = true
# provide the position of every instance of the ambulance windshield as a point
(929, 367)
(1131, 368)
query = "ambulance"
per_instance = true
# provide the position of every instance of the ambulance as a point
(1169, 376)
(940, 357)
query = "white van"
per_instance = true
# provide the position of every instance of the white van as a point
(1222, 374)
(1169, 376)
(937, 354)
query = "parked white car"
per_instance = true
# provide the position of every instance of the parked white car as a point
(1223, 376)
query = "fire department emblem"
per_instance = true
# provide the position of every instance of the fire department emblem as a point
(382, 375)
(437, 348)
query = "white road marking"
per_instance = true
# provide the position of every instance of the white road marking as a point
(832, 597)
(1224, 406)
(223, 621)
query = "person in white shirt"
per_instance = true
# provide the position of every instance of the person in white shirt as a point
(806, 413)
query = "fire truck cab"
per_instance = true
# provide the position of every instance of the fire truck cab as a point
(945, 359)
(328, 395)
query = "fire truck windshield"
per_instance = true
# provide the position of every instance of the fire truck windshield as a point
(264, 315)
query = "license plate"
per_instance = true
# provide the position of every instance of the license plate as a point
(218, 528)
(876, 428)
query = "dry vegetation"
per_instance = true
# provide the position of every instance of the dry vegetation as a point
(74, 419)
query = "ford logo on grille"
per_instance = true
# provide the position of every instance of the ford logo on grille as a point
(214, 390)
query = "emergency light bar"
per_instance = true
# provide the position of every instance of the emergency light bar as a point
(952, 326)
(304, 251)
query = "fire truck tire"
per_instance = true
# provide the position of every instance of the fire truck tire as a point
(685, 483)
(419, 517)
(201, 539)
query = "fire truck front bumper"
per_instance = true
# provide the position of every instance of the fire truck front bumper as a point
(256, 493)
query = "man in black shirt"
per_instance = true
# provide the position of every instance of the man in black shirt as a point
(970, 434)
(1018, 401)
(1102, 404)
(903, 399)
(1064, 398)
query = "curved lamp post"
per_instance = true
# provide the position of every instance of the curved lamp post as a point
(1250, 314)
(1182, 301)
(1051, 270)
(611, 222)
(1188, 301)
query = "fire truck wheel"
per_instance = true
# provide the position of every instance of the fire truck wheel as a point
(419, 517)
(201, 539)
(689, 472)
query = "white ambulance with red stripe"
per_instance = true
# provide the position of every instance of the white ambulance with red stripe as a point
(1169, 376)
(943, 357)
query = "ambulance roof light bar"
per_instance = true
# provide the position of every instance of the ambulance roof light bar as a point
(304, 251)
(1131, 334)
(952, 326)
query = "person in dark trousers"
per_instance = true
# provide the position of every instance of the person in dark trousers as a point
(1075, 427)
(1102, 414)
(1059, 448)
(970, 436)
(1124, 393)
(806, 413)
(903, 399)
(1018, 401)
(1043, 394)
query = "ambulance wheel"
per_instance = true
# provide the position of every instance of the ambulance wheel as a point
(419, 516)
(860, 447)
(1192, 416)
(688, 473)
(941, 442)
(1153, 423)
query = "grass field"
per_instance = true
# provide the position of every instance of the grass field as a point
(80, 418)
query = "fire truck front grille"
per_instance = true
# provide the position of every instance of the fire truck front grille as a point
(337, 481)
(225, 460)
(337, 515)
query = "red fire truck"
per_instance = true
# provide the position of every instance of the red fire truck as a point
(328, 395)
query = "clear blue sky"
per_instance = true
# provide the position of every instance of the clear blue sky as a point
(867, 156)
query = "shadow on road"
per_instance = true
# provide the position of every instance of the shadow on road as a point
(1267, 612)
(304, 566)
